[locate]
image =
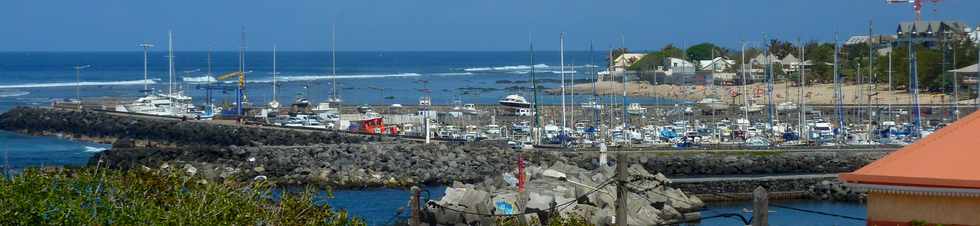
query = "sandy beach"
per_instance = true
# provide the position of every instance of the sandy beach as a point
(815, 94)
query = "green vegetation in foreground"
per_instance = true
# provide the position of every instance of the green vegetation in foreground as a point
(94, 196)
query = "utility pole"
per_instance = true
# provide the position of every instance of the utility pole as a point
(760, 207)
(621, 195)
(416, 215)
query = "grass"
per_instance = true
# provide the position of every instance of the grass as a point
(94, 196)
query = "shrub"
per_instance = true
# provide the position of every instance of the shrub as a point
(94, 196)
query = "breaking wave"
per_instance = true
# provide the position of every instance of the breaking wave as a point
(94, 149)
(202, 79)
(505, 68)
(63, 84)
(13, 93)
(300, 78)
(453, 74)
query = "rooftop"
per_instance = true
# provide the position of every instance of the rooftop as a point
(945, 159)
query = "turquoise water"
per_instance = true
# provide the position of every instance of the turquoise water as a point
(19, 151)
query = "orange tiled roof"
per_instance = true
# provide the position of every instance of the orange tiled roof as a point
(948, 158)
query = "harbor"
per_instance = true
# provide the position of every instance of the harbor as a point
(636, 113)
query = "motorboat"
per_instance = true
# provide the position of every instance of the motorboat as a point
(515, 100)
(712, 104)
(470, 109)
(753, 108)
(786, 106)
(364, 109)
(592, 105)
(636, 109)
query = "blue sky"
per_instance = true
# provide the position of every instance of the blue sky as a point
(454, 25)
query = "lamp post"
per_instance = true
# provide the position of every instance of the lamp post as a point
(78, 84)
(146, 54)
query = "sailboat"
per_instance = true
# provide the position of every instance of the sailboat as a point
(334, 98)
(173, 103)
(274, 104)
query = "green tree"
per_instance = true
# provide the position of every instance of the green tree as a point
(820, 56)
(704, 51)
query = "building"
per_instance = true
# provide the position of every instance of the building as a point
(935, 180)
(677, 65)
(968, 73)
(624, 61)
(718, 64)
(880, 41)
(931, 33)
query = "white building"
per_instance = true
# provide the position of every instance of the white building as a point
(719, 64)
(677, 65)
(624, 61)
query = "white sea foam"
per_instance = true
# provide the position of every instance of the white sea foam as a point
(505, 68)
(62, 84)
(453, 74)
(13, 93)
(94, 149)
(300, 78)
(202, 79)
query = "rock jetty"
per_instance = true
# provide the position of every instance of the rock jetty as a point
(109, 127)
(562, 190)
(367, 164)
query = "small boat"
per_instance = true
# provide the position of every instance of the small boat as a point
(591, 104)
(515, 100)
(786, 106)
(425, 101)
(470, 109)
(712, 104)
(752, 108)
(364, 109)
(636, 109)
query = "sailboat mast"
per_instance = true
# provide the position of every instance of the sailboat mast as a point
(333, 59)
(837, 89)
(914, 83)
(275, 74)
(241, 76)
(802, 128)
(170, 67)
(769, 78)
(564, 123)
(534, 98)
(595, 96)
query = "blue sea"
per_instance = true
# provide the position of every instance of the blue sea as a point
(37, 78)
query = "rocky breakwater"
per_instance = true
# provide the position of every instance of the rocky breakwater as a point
(367, 164)
(565, 191)
(686, 164)
(105, 127)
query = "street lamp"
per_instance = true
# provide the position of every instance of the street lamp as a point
(146, 54)
(78, 84)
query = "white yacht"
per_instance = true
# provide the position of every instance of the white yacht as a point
(515, 100)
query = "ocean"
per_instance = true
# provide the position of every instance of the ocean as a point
(38, 78)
